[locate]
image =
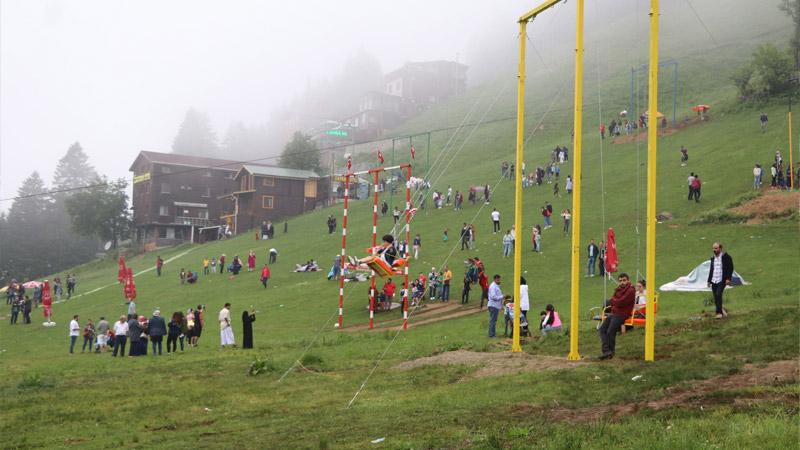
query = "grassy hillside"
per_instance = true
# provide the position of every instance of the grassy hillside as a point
(205, 397)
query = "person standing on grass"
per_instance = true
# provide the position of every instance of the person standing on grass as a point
(495, 304)
(417, 243)
(247, 327)
(720, 275)
(273, 255)
(602, 131)
(134, 336)
(88, 336)
(71, 285)
(684, 156)
(507, 244)
(447, 275)
(26, 310)
(102, 335)
(690, 183)
(159, 265)
(567, 215)
(555, 190)
(395, 214)
(384, 208)
(265, 275)
(174, 330)
(199, 324)
(74, 331)
(205, 265)
(546, 214)
(120, 336)
(495, 220)
(487, 196)
(225, 329)
(593, 252)
(524, 301)
(483, 282)
(621, 308)
(568, 186)
(222, 268)
(131, 309)
(157, 329)
(251, 261)
(696, 185)
(757, 176)
(465, 291)
(764, 119)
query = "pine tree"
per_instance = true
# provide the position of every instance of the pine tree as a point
(195, 136)
(73, 170)
(26, 250)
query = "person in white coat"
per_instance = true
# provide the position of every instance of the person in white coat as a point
(225, 328)
(524, 301)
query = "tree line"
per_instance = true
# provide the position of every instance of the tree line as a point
(47, 230)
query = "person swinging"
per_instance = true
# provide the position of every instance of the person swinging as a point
(384, 260)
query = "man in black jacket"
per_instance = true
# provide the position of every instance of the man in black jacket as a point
(719, 275)
(592, 251)
(156, 328)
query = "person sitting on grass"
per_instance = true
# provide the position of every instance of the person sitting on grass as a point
(191, 277)
(550, 321)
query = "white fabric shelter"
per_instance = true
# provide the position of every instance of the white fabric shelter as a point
(697, 280)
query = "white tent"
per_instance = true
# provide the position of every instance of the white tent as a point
(697, 280)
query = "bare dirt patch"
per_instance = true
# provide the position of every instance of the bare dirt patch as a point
(772, 204)
(492, 364)
(699, 394)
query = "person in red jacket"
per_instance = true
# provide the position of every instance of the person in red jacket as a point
(483, 281)
(621, 305)
(265, 275)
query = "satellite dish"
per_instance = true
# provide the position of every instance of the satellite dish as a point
(107, 246)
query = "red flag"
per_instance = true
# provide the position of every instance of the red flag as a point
(349, 163)
(413, 152)
(380, 156)
(612, 260)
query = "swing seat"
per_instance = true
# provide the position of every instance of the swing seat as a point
(383, 269)
(638, 319)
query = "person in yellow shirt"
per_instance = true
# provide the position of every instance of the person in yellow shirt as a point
(205, 266)
(446, 277)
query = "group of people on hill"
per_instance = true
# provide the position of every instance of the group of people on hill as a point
(24, 300)
(781, 174)
(136, 331)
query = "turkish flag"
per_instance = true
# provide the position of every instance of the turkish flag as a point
(612, 260)
(413, 152)
(380, 156)
(349, 163)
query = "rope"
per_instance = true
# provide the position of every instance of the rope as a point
(602, 168)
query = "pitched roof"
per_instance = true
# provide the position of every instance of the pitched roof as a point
(190, 161)
(279, 172)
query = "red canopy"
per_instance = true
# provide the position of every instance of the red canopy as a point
(612, 260)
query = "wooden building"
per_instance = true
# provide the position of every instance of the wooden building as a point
(181, 198)
(267, 193)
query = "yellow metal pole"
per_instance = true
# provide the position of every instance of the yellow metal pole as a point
(791, 161)
(515, 347)
(652, 134)
(577, 140)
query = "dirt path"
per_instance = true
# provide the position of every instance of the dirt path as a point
(441, 311)
(773, 204)
(491, 364)
(699, 394)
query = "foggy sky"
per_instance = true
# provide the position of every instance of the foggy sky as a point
(119, 76)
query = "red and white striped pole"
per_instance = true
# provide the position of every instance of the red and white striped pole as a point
(344, 249)
(408, 235)
(374, 244)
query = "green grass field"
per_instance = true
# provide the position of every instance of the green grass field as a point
(204, 397)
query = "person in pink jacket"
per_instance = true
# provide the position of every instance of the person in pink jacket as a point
(550, 321)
